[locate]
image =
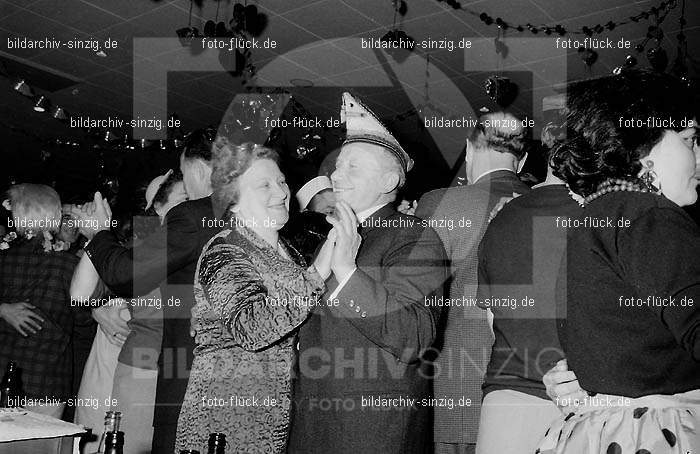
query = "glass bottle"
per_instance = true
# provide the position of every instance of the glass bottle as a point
(114, 443)
(217, 443)
(10, 386)
(112, 421)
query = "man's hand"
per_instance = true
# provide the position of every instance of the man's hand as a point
(347, 240)
(94, 216)
(21, 316)
(322, 263)
(111, 322)
(562, 386)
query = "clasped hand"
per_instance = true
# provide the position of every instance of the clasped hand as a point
(93, 216)
(340, 248)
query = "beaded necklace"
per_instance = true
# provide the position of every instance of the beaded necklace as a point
(615, 185)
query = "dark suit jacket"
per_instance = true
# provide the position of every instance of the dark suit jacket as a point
(466, 346)
(167, 258)
(370, 345)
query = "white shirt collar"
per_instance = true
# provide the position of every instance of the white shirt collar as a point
(492, 171)
(364, 214)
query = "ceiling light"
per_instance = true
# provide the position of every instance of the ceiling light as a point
(60, 114)
(41, 103)
(110, 136)
(187, 34)
(23, 88)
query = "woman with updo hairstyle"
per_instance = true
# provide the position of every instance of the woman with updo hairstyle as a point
(36, 315)
(630, 335)
(252, 291)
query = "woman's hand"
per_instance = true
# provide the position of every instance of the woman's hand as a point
(562, 386)
(21, 316)
(322, 263)
(111, 323)
(347, 241)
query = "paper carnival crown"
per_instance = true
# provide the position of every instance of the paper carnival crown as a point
(363, 126)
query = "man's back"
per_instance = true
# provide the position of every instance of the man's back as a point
(460, 216)
(168, 258)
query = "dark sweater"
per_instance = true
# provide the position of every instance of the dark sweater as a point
(617, 337)
(519, 257)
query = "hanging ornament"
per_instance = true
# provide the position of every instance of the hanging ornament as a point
(189, 33)
(658, 12)
(221, 31)
(658, 59)
(680, 65)
(402, 8)
(210, 29)
(309, 146)
(501, 48)
(501, 90)
(630, 61)
(588, 56)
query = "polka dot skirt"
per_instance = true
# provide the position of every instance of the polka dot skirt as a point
(650, 425)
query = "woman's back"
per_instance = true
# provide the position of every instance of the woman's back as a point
(627, 279)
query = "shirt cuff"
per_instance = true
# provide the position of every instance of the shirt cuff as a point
(341, 285)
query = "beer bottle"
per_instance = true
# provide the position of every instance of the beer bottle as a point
(114, 443)
(10, 386)
(112, 421)
(217, 443)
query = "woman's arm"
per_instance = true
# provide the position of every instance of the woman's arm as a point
(239, 298)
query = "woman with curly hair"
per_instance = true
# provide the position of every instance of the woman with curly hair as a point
(252, 291)
(629, 331)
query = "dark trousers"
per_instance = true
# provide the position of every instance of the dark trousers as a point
(164, 439)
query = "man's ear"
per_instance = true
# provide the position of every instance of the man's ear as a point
(390, 182)
(7, 205)
(521, 164)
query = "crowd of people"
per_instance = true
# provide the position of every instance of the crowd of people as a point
(559, 318)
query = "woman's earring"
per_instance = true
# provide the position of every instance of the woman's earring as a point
(649, 176)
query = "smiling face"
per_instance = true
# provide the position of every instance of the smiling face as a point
(361, 177)
(674, 165)
(263, 195)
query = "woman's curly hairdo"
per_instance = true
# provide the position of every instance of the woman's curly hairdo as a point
(230, 161)
(598, 144)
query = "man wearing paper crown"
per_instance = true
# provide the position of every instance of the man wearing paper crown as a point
(363, 376)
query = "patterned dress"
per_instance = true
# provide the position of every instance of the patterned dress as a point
(249, 300)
